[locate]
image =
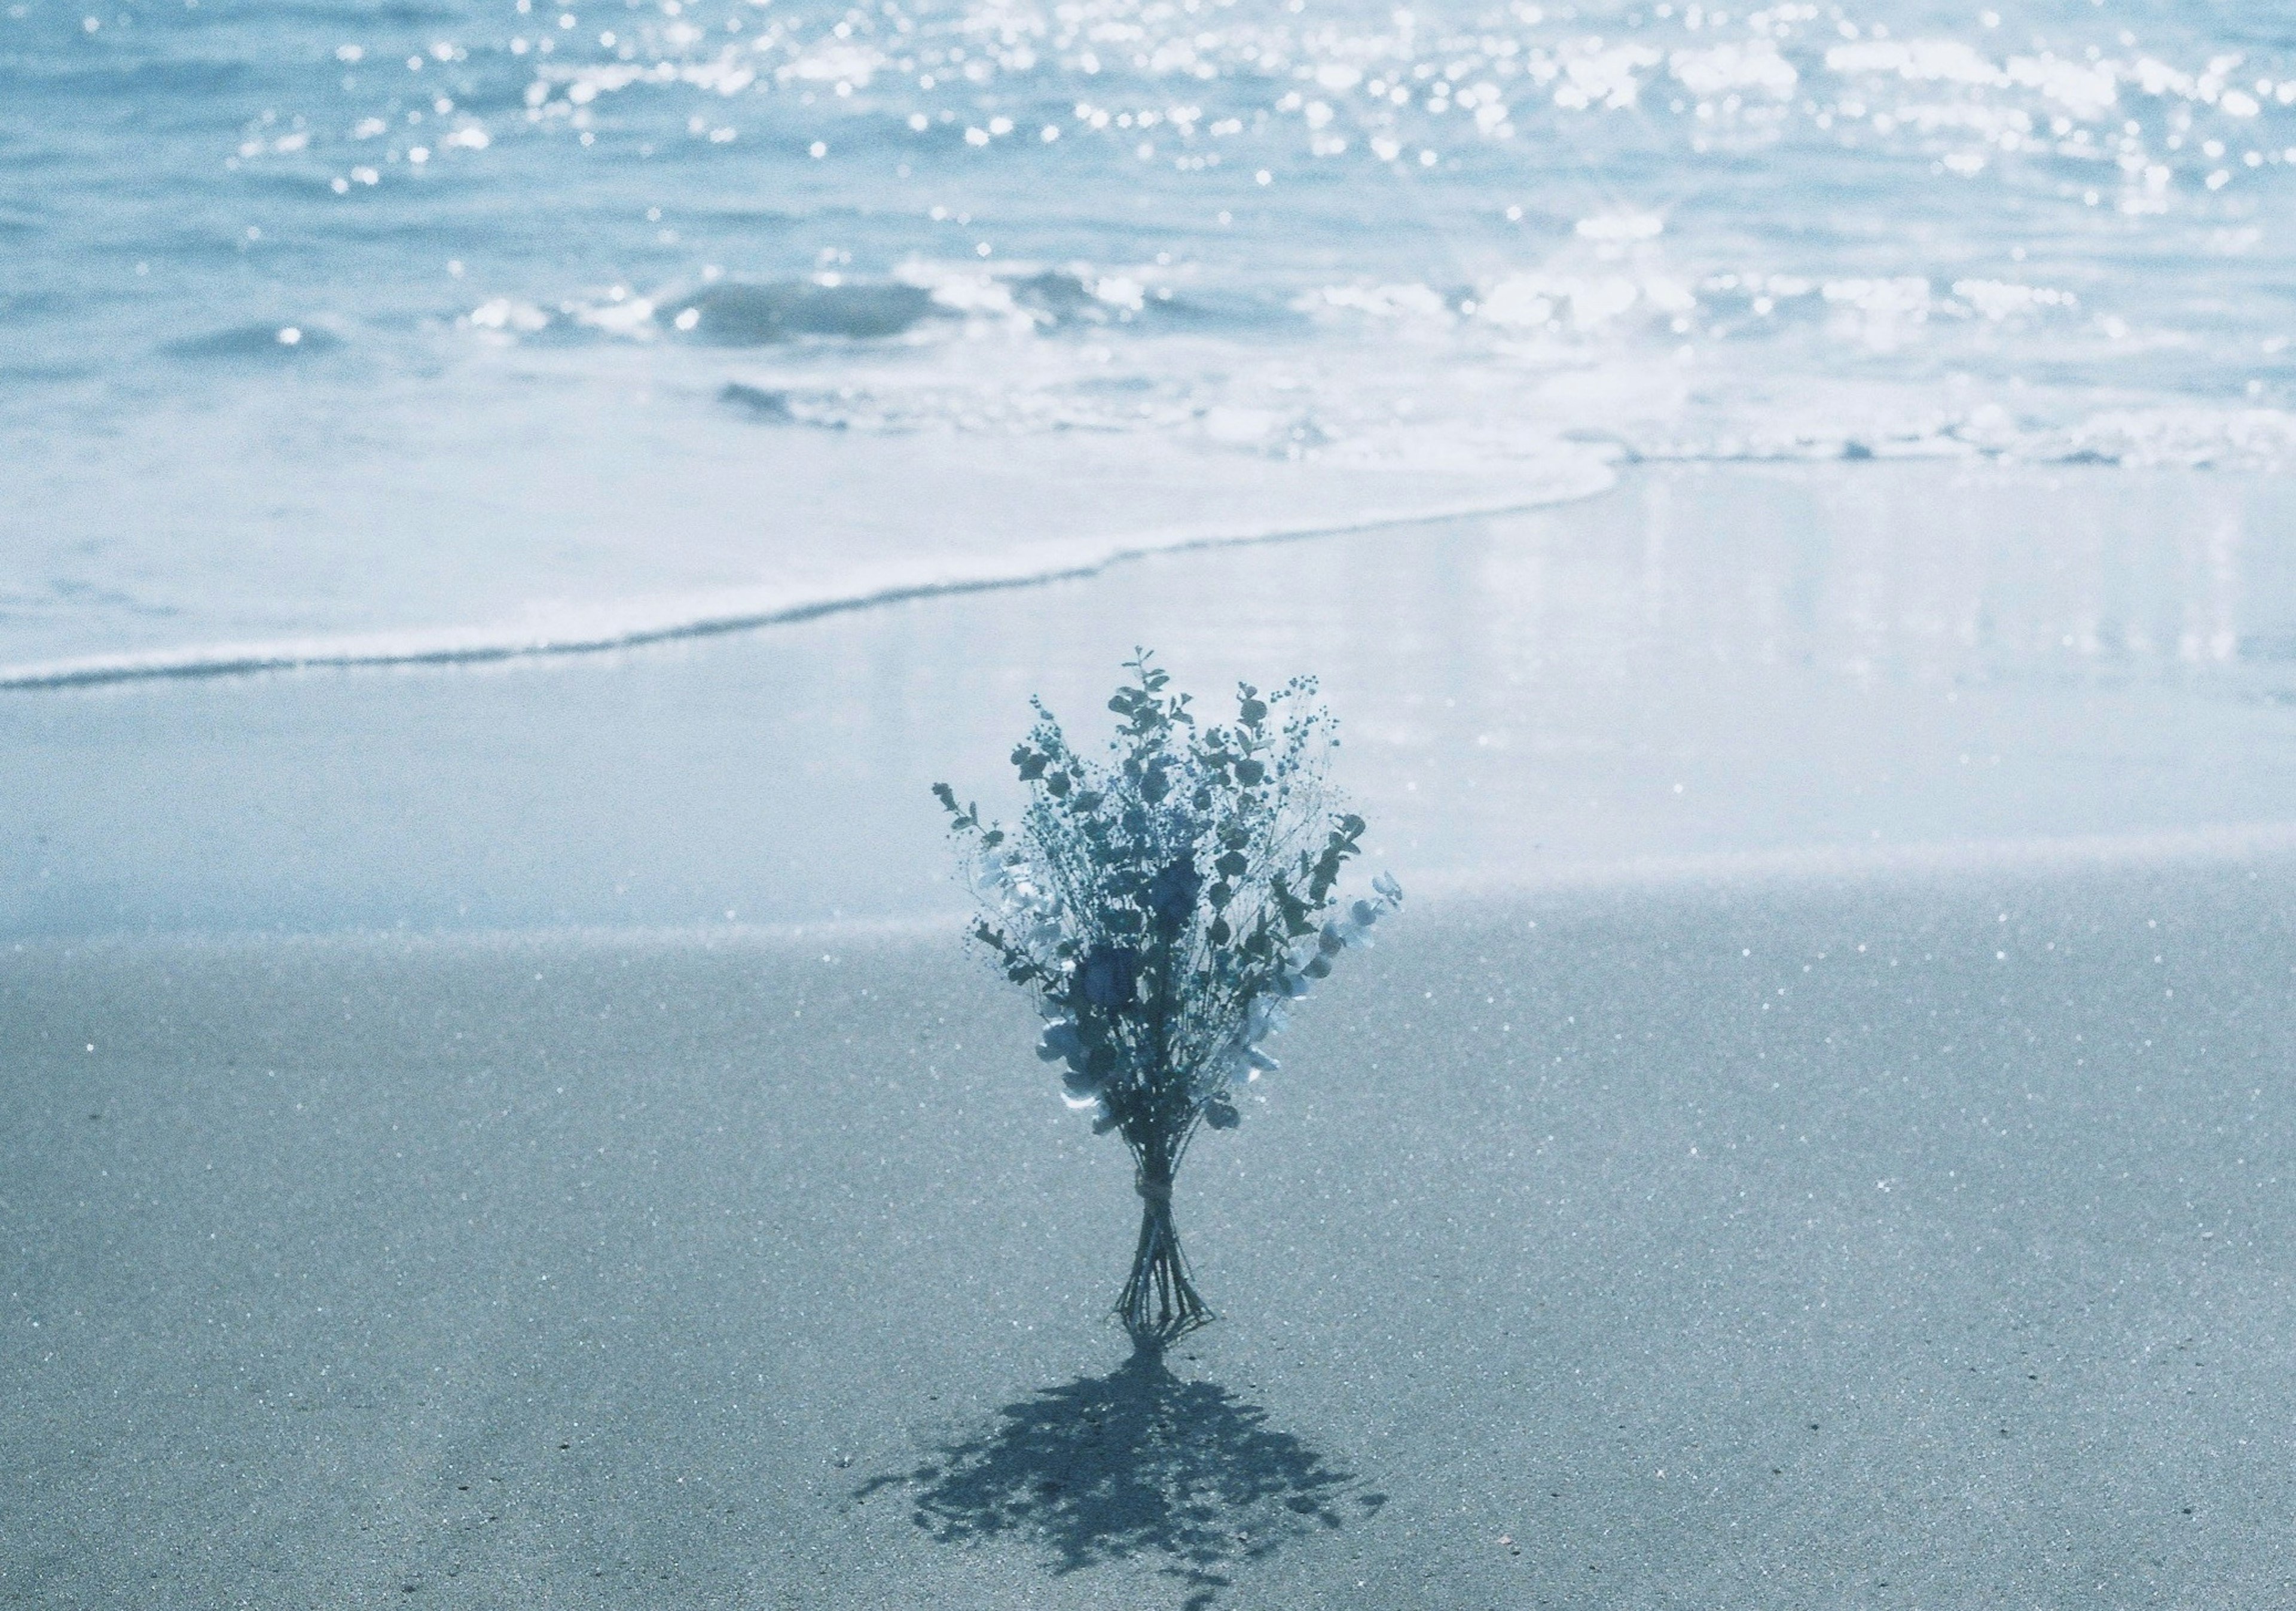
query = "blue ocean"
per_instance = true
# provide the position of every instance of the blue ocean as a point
(442, 327)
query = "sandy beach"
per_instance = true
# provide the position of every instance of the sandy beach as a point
(1894, 1240)
(536, 540)
(534, 1136)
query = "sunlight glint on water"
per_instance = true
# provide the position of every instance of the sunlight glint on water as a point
(478, 324)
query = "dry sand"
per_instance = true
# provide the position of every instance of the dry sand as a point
(1914, 1239)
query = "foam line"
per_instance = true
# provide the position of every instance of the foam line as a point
(581, 632)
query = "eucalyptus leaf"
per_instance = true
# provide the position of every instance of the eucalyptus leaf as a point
(1162, 906)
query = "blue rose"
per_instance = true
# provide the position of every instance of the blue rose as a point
(1172, 892)
(1108, 975)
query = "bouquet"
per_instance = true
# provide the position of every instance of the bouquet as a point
(1164, 908)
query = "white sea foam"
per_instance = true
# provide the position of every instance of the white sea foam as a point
(587, 628)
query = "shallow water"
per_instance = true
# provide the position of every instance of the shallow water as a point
(1829, 667)
(463, 324)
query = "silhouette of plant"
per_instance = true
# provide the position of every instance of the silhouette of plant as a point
(1136, 1463)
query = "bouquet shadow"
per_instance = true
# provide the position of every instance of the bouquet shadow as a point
(1138, 1463)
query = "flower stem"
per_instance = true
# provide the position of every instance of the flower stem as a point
(1159, 1303)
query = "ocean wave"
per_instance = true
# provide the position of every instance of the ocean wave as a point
(924, 293)
(596, 628)
(2137, 438)
(1691, 365)
(283, 343)
(1226, 237)
(733, 314)
(757, 402)
(1401, 407)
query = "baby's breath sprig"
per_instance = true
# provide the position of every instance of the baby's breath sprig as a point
(1164, 908)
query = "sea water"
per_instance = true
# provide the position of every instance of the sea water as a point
(440, 327)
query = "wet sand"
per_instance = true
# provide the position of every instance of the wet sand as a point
(1706, 661)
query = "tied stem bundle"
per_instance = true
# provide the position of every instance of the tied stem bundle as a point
(1164, 908)
(1159, 1301)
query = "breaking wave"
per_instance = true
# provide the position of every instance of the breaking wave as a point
(587, 629)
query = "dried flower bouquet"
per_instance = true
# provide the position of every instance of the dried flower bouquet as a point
(1164, 908)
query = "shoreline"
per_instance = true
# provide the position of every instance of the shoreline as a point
(740, 611)
(1700, 665)
(735, 611)
(1455, 898)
